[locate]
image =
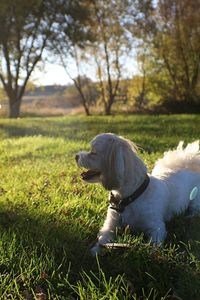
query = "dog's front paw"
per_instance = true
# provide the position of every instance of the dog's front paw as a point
(97, 250)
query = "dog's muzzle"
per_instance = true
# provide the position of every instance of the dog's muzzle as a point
(89, 174)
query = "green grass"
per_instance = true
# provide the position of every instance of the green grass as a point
(49, 217)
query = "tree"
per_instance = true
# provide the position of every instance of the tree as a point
(172, 30)
(26, 29)
(141, 98)
(82, 84)
(180, 46)
(110, 47)
(69, 40)
(104, 47)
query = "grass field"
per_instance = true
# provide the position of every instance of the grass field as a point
(49, 217)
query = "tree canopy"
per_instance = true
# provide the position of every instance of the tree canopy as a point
(164, 36)
(26, 29)
(170, 31)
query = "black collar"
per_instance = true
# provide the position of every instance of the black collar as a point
(120, 205)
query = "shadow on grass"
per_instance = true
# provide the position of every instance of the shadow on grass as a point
(59, 250)
(187, 230)
(32, 246)
(137, 128)
(143, 130)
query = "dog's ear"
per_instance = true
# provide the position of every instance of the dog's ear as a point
(121, 163)
(113, 165)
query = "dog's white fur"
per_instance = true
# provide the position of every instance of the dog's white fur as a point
(122, 172)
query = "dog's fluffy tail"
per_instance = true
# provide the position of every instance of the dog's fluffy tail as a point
(180, 158)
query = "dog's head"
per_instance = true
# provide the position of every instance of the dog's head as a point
(111, 161)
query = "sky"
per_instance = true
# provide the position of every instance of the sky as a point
(55, 74)
(52, 74)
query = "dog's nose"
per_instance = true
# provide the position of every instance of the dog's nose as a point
(77, 157)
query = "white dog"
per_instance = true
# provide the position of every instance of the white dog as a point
(142, 201)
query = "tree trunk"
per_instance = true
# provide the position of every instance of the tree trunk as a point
(87, 111)
(108, 109)
(108, 112)
(14, 108)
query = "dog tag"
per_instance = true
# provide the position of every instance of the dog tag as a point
(193, 193)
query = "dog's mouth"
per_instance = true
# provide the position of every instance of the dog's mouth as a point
(90, 174)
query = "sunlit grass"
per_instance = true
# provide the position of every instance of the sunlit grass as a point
(49, 217)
